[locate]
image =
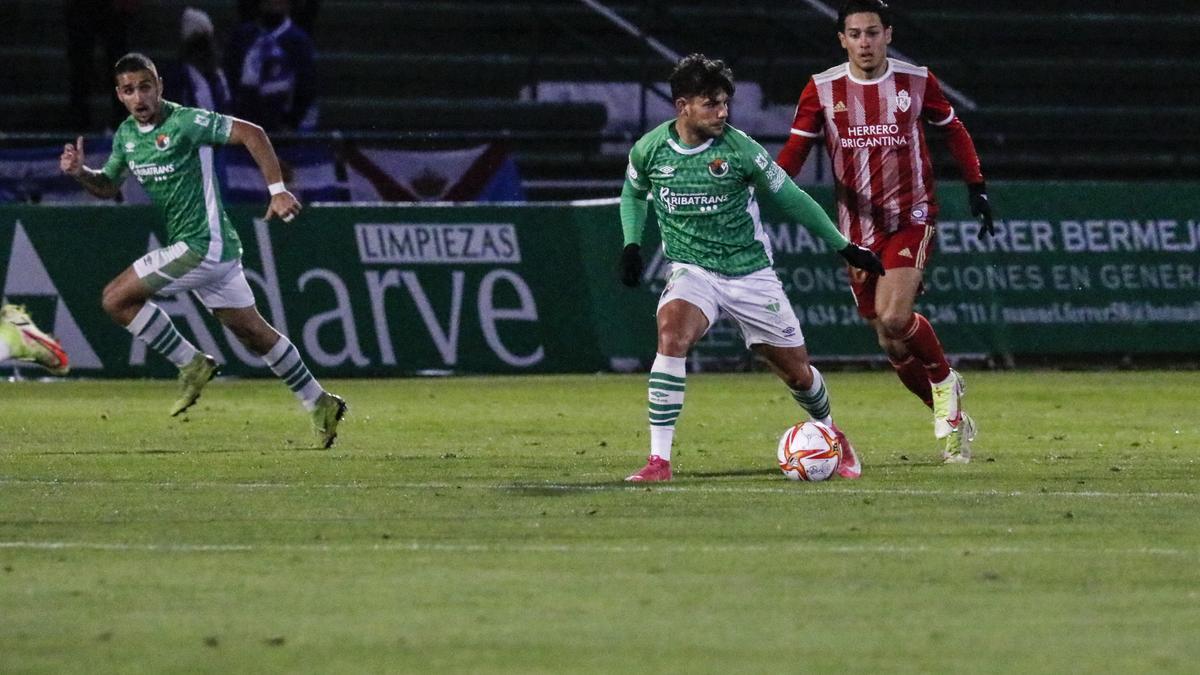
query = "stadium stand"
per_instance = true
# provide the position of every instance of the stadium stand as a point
(1064, 90)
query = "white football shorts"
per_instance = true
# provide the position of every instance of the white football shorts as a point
(178, 269)
(756, 302)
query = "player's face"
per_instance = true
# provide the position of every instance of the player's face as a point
(865, 40)
(705, 115)
(141, 93)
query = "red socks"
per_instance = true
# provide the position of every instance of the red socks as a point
(912, 374)
(923, 344)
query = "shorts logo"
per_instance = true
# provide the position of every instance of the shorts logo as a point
(905, 253)
(718, 168)
(789, 331)
(918, 213)
(162, 141)
(903, 101)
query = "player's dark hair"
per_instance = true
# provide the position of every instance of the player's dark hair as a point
(134, 62)
(864, 7)
(698, 75)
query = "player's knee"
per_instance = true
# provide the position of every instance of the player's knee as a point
(893, 325)
(114, 303)
(673, 343)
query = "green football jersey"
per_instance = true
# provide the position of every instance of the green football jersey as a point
(174, 163)
(705, 199)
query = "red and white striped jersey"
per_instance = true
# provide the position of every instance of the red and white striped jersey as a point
(877, 145)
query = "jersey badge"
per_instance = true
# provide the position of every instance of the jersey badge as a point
(905, 253)
(662, 172)
(839, 107)
(162, 141)
(718, 168)
(903, 101)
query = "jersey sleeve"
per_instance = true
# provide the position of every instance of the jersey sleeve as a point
(770, 180)
(116, 168)
(633, 197)
(940, 113)
(205, 127)
(936, 107)
(806, 127)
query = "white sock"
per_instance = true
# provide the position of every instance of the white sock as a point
(665, 401)
(284, 360)
(152, 326)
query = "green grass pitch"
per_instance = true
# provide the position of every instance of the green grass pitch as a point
(480, 525)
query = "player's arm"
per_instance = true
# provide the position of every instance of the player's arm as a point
(634, 209)
(283, 203)
(939, 113)
(770, 180)
(95, 181)
(805, 130)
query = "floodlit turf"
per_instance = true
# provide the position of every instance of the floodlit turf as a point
(479, 525)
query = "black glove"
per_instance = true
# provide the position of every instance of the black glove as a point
(631, 265)
(981, 208)
(862, 258)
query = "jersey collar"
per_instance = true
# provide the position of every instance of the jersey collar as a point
(877, 80)
(166, 110)
(683, 149)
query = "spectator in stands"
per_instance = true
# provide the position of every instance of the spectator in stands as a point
(272, 63)
(870, 110)
(304, 13)
(198, 80)
(89, 22)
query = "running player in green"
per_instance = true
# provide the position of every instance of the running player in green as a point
(704, 177)
(168, 149)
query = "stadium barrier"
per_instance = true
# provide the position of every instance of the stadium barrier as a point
(372, 290)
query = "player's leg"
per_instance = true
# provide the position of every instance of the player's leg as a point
(904, 330)
(808, 389)
(680, 325)
(169, 270)
(282, 357)
(232, 302)
(908, 368)
(764, 314)
(686, 309)
(21, 339)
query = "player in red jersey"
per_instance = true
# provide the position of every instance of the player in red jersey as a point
(871, 111)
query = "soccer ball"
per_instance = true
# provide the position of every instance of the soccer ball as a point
(809, 451)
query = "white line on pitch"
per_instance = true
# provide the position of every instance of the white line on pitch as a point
(418, 547)
(798, 490)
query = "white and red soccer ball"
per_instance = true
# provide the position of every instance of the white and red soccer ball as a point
(809, 451)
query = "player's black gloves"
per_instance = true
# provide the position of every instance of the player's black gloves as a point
(631, 265)
(862, 258)
(981, 208)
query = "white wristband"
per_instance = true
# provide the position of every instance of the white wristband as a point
(276, 188)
